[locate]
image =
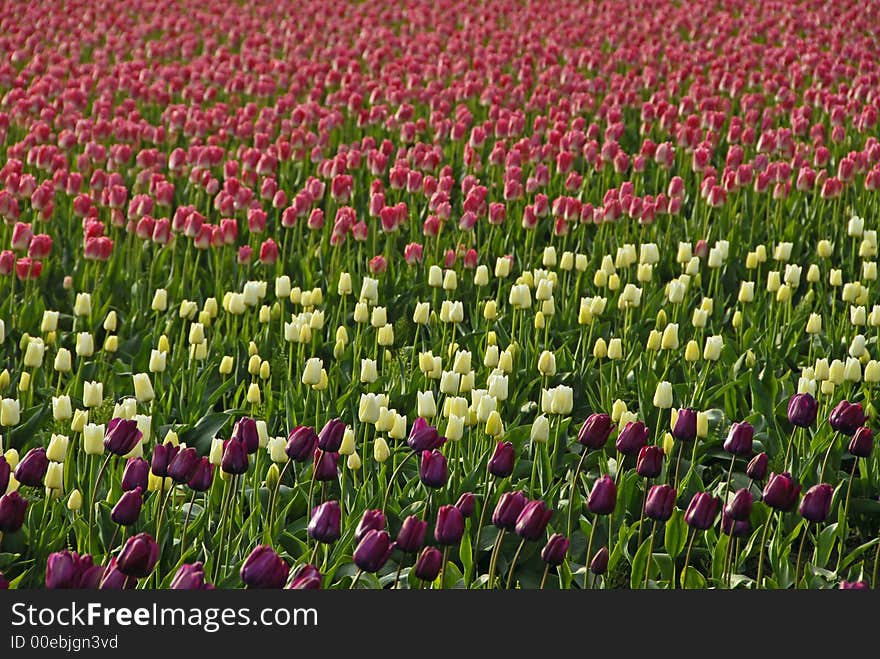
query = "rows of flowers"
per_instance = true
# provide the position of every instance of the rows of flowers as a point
(439, 295)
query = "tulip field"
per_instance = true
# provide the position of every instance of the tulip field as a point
(515, 294)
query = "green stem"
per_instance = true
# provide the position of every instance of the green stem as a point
(513, 563)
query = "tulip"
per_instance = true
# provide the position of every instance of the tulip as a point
(373, 550)
(802, 410)
(450, 526)
(649, 462)
(183, 465)
(5, 473)
(599, 564)
(532, 520)
(757, 467)
(411, 536)
(202, 476)
(428, 564)
(330, 437)
(660, 502)
(603, 496)
(847, 417)
(595, 431)
(781, 491)
(324, 525)
(853, 585)
(135, 474)
(163, 454)
(555, 550)
(121, 436)
(326, 465)
(816, 503)
(734, 528)
(301, 443)
(128, 508)
(739, 439)
(245, 431)
(139, 555)
(65, 569)
(507, 510)
(12, 509)
(263, 568)
(433, 471)
(685, 427)
(740, 507)
(307, 577)
(32, 468)
(862, 443)
(701, 511)
(371, 519)
(424, 437)
(190, 576)
(501, 462)
(633, 438)
(466, 504)
(234, 460)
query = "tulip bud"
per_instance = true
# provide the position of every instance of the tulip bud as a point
(603, 496)
(663, 395)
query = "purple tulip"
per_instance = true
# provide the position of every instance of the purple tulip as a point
(324, 526)
(853, 585)
(532, 520)
(685, 428)
(424, 437)
(450, 526)
(183, 465)
(466, 504)
(701, 511)
(740, 506)
(599, 564)
(245, 431)
(802, 410)
(307, 577)
(326, 465)
(263, 568)
(411, 536)
(555, 550)
(847, 417)
(507, 510)
(235, 457)
(65, 569)
(649, 462)
(5, 473)
(12, 509)
(128, 508)
(501, 462)
(163, 454)
(4, 582)
(862, 442)
(428, 564)
(595, 431)
(32, 468)
(781, 491)
(190, 576)
(111, 577)
(603, 496)
(301, 443)
(660, 502)
(734, 528)
(816, 503)
(433, 470)
(136, 474)
(330, 437)
(633, 438)
(202, 476)
(739, 439)
(373, 550)
(371, 519)
(121, 436)
(139, 555)
(757, 468)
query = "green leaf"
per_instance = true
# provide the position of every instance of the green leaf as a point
(691, 579)
(825, 544)
(676, 533)
(201, 434)
(465, 553)
(640, 565)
